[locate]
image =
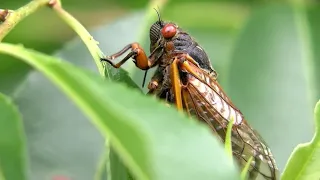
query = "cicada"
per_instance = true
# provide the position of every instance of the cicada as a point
(185, 77)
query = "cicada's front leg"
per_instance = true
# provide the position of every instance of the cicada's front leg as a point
(136, 53)
(153, 85)
(156, 81)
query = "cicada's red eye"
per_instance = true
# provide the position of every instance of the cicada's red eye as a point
(168, 31)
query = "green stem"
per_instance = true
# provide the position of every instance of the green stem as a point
(14, 17)
(91, 44)
(228, 142)
(246, 169)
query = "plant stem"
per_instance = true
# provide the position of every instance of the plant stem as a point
(14, 17)
(245, 170)
(91, 44)
(228, 142)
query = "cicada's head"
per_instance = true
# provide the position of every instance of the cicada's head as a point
(160, 31)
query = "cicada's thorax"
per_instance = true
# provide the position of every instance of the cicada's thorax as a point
(184, 43)
(181, 43)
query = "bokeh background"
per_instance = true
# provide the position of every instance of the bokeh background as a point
(265, 52)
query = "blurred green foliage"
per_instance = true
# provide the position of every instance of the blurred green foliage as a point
(12, 141)
(151, 149)
(258, 49)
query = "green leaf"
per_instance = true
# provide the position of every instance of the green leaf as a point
(103, 170)
(118, 170)
(304, 162)
(12, 74)
(1, 176)
(312, 33)
(151, 139)
(50, 149)
(12, 142)
(61, 139)
(268, 80)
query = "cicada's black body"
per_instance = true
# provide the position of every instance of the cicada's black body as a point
(246, 142)
(185, 77)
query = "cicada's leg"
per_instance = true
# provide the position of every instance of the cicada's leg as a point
(176, 83)
(153, 85)
(137, 53)
(156, 79)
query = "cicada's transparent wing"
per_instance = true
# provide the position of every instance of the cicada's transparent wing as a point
(207, 101)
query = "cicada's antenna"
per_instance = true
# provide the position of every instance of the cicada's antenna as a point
(159, 16)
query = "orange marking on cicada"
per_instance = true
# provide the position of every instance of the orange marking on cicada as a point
(185, 101)
(184, 65)
(176, 83)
